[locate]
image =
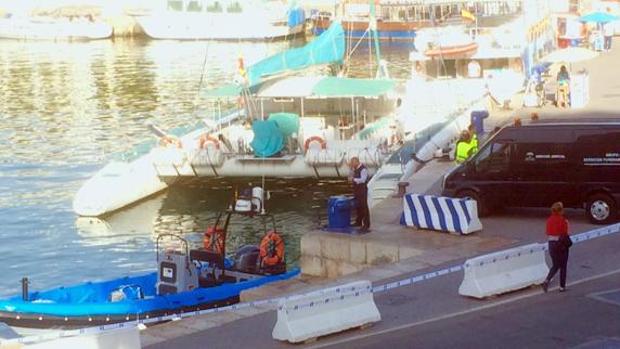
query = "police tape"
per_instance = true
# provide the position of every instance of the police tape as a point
(342, 293)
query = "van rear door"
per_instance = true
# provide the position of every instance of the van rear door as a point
(598, 161)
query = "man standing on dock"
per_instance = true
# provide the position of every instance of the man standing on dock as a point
(360, 193)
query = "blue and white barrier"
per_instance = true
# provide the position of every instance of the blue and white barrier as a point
(458, 216)
(333, 310)
(504, 271)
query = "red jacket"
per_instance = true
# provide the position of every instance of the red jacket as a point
(557, 225)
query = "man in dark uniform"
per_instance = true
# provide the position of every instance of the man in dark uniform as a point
(360, 193)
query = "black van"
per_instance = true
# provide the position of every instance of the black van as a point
(535, 165)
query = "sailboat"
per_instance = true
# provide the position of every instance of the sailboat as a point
(288, 126)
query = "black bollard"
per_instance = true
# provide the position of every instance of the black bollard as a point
(25, 288)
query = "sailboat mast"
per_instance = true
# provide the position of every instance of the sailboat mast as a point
(373, 31)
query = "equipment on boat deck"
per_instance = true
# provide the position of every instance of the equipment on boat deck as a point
(176, 273)
(251, 201)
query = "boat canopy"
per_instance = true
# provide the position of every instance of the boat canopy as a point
(329, 47)
(313, 87)
(349, 87)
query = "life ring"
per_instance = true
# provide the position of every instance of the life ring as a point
(313, 139)
(214, 240)
(208, 138)
(272, 249)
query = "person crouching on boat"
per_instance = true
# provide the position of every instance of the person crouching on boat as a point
(359, 178)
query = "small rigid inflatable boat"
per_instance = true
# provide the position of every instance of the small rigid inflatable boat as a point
(186, 280)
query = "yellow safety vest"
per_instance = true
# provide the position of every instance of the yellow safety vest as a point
(474, 143)
(464, 150)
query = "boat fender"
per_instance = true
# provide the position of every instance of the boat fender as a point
(207, 138)
(214, 239)
(314, 139)
(271, 249)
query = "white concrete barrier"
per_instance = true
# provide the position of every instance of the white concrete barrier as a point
(459, 216)
(126, 338)
(332, 310)
(504, 271)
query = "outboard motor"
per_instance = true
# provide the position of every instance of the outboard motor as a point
(176, 273)
(246, 259)
(250, 201)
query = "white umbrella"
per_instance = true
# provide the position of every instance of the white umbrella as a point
(570, 55)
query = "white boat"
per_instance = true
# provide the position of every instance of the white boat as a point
(48, 28)
(294, 127)
(224, 20)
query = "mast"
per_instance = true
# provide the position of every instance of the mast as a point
(382, 72)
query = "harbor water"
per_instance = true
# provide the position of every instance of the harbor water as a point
(66, 108)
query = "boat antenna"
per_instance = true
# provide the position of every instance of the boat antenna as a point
(203, 73)
(264, 198)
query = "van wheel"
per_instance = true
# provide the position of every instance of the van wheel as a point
(470, 194)
(601, 209)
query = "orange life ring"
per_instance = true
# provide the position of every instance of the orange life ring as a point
(208, 138)
(214, 240)
(312, 139)
(272, 249)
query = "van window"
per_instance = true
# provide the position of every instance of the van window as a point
(495, 157)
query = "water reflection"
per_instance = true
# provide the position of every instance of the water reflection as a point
(65, 107)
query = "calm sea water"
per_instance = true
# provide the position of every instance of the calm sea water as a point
(66, 107)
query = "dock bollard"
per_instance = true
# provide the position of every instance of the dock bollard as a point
(25, 288)
(402, 189)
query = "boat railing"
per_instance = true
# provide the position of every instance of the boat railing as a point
(146, 146)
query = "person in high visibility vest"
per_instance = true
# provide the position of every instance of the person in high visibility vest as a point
(474, 137)
(464, 148)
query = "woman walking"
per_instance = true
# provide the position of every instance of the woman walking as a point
(559, 244)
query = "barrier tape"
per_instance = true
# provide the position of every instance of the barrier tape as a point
(343, 293)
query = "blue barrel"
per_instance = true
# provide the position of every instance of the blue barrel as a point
(477, 119)
(339, 212)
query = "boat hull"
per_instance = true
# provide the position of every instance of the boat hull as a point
(118, 185)
(389, 31)
(453, 52)
(88, 304)
(225, 27)
(23, 29)
(43, 321)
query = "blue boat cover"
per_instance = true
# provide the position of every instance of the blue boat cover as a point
(93, 299)
(288, 123)
(268, 139)
(329, 47)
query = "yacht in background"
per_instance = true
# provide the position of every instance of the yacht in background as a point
(223, 20)
(82, 28)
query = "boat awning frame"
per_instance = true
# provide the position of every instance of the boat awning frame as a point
(311, 87)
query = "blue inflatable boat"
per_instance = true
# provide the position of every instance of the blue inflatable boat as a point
(186, 280)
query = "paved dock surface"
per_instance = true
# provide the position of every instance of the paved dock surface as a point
(433, 315)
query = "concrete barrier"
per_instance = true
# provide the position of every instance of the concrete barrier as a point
(504, 271)
(305, 317)
(459, 216)
(125, 338)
